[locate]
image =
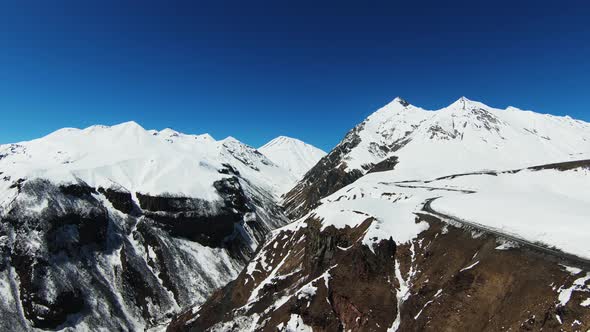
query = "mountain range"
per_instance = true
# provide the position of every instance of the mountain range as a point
(462, 137)
(465, 218)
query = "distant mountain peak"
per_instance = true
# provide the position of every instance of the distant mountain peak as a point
(286, 140)
(205, 136)
(128, 125)
(292, 154)
(397, 106)
(401, 101)
(464, 103)
(283, 140)
(169, 131)
(231, 140)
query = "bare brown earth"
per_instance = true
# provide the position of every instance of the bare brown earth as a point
(507, 290)
(356, 288)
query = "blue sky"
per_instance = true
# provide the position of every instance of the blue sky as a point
(256, 70)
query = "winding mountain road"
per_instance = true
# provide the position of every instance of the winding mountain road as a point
(573, 259)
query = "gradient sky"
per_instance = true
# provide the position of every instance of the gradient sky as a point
(256, 70)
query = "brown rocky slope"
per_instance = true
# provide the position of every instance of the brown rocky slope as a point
(446, 279)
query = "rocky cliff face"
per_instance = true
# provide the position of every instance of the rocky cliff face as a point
(74, 254)
(446, 279)
(327, 176)
(304, 272)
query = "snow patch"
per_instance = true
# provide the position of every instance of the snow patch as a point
(296, 324)
(469, 267)
(571, 270)
(578, 285)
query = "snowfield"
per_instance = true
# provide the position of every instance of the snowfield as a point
(548, 206)
(551, 207)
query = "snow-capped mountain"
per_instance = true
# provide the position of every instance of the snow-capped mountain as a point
(480, 251)
(292, 154)
(467, 218)
(500, 250)
(139, 160)
(127, 223)
(462, 137)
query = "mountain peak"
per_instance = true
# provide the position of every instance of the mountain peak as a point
(282, 140)
(292, 154)
(231, 140)
(401, 101)
(397, 105)
(285, 142)
(462, 102)
(169, 132)
(205, 136)
(128, 125)
(465, 103)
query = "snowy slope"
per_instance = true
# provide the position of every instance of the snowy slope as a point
(547, 206)
(292, 154)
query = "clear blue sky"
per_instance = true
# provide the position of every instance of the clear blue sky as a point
(307, 69)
